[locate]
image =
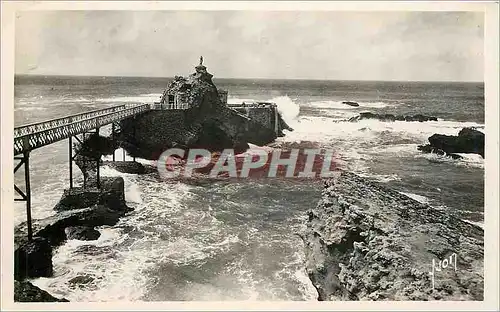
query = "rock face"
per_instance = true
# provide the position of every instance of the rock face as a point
(82, 233)
(131, 167)
(391, 117)
(76, 221)
(469, 140)
(24, 291)
(367, 242)
(33, 259)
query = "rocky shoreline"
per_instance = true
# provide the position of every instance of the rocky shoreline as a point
(367, 242)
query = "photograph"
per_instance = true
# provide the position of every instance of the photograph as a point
(249, 154)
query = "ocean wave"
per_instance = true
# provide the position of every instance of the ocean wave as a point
(468, 160)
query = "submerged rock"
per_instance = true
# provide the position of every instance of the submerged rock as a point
(469, 140)
(391, 117)
(350, 103)
(24, 291)
(367, 242)
(132, 167)
(82, 233)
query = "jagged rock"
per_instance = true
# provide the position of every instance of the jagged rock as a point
(469, 140)
(132, 167)
(365, 241)
(81, 280)
(33, 259)
(350, 103)
(111, 194)
(391, 117)
(24, 291)
(82, 233)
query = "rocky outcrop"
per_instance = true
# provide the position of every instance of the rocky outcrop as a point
(208, 122)
(82, 233)
(24, 291)
(131, 167)
(351, 103)
(391, 117)
(75, 220)
(33, 259)
(469, 140)
(367, 242)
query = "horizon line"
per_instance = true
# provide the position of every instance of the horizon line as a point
(251, 78)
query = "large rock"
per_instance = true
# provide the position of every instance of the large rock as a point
(131, 167)
(111, 194)
(208, 122)
(391, 117)
(24, 291)
(367, 242)
(469, 140)
(33, 259)
(82, 233)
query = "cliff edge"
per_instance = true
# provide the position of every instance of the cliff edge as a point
(367, 242)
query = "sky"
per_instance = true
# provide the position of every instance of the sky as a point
(413, 46)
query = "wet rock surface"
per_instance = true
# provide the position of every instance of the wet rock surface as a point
(391, 117)
(82, 233)
(33, 259)
(367, 242)
(351, 103)
(24, 291)
(104, 207)
(131, 167)
(468, 140)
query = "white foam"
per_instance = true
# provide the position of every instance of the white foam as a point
(288, 109)
(419, 198)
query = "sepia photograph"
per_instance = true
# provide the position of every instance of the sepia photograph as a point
(248, 154)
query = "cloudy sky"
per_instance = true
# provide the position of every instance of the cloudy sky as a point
(418, 46)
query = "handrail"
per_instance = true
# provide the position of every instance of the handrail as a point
(40, 126)
(53, 134)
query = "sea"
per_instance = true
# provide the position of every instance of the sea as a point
(238, 240)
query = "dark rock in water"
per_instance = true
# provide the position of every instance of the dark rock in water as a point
(105, 207)
(33, 259)
(132, 167)
(81, 280)
(111, 194)
(365, 241)
(468, 141)
(82, 233)
(350, 103)
(24, 291)
(391, 117)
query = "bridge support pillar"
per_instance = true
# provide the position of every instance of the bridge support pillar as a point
(26, 195)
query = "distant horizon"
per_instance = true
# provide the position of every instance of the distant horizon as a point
(246, 78)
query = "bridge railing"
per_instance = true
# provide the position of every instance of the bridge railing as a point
(59, 132)
(49, 124)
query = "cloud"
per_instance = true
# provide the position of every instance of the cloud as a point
(253, 44)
